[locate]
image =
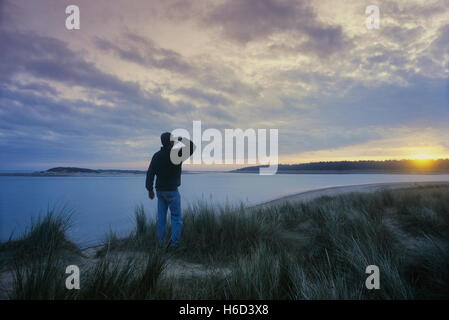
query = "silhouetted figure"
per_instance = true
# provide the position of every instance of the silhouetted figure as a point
(166, 164)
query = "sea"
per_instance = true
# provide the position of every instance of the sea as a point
(101, 204)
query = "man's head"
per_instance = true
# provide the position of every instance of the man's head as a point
(166, 140)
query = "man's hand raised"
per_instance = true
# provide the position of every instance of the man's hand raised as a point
(151, 195)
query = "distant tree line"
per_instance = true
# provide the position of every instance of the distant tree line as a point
(440, 165)
(86, 170)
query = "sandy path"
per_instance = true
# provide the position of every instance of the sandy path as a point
(337, 190)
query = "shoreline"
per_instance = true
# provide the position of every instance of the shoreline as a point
(330, 191)
(132, 173)
(338, 190)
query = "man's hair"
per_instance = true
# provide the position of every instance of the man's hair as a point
(165, 139)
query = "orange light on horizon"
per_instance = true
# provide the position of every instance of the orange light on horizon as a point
(374, 151)
(423, 163)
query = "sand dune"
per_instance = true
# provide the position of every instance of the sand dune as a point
(337, 190)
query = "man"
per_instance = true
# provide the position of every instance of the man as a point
(166, 165)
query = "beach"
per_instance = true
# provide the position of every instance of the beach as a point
(338, 190)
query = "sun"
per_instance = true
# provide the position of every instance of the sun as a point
(423, 161)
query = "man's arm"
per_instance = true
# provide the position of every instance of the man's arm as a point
(185, 152)
(150, 178)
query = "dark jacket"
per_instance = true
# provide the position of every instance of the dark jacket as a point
(168, 175)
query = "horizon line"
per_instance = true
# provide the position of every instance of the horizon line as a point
(216, 169)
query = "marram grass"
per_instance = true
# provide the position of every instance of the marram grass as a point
(305, 250)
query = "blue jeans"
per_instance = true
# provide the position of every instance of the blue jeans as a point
(172, 200)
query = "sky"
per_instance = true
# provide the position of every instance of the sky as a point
(100, 96)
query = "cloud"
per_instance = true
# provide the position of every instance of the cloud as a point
(53, 129)
(412, 11)
(440, 46)
(204, 96)
(254, 20)
(51, 59)
(424, 102)
(37, 118)
(144, 52)
(9, 12)
(40, 87)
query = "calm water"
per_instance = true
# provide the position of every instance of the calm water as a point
(107, 203)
